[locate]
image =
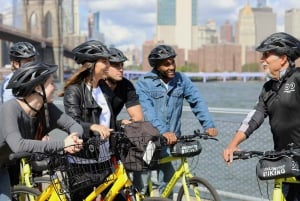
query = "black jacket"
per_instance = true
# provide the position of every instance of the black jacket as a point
(280, 101)
(80, 105)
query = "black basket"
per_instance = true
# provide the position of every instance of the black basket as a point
(81, 170)
(139, 153)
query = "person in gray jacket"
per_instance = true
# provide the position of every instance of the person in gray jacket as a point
(29, 117)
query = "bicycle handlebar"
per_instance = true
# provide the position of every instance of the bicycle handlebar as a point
(292, 151)
(197, 134)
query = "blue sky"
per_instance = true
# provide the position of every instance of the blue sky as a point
(128, 23)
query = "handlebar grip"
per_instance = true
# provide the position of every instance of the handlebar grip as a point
(19, 155)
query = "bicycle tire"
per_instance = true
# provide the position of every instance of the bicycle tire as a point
(207, 191)
(156, 199)
(23, 191)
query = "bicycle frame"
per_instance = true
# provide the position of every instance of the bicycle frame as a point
(277, 190)
(118, 178)
(183, 171)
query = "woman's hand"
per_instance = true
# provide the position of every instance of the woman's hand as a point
(103, 131)
(73, 143)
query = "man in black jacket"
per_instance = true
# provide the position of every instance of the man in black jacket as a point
(279, 99)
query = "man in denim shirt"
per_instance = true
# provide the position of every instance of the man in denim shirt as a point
(161, 94)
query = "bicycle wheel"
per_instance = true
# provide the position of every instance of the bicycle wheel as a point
(199, 187)
(24, 193)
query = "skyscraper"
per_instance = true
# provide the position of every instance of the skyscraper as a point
(292, 22)
(226, 32)
(177, 22)
(265, 23)
(245, 33)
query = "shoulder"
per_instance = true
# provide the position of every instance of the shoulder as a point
(74, 87)
(125, 82)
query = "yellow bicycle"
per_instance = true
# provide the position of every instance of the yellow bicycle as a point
(192, 187)
(64, 171)
(28, 176)
(281, 172)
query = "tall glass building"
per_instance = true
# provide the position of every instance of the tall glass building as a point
(177, 23)
(166, 12)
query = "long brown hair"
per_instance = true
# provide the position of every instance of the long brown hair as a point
(83, 74)
(40, 131)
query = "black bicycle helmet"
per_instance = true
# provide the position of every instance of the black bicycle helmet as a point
(282, 44)
(25, 79)
(116, 55)
(21, 50)
(160, 53)
(90, 51)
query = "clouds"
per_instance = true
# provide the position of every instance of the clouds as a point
(128, 23)
(125, 24)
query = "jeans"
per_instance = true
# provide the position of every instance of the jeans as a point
(166, 171)
(140, 180)
(5, 191)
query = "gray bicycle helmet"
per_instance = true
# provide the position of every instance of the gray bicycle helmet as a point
(21, 50)
(90, 51)
(282, 44)
(116, 55)
(160, 53)
(25, 79)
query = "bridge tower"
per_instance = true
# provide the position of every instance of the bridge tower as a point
(44, 18)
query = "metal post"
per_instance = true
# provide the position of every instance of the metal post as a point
(60, 42)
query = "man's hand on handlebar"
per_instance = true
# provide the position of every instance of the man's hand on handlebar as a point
(171, 137)
(212, 132)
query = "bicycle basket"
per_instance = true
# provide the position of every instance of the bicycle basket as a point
(140, 153)
(278, 167)
(77, 172)
(186, 148)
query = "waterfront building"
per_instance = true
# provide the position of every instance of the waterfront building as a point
(292, 22)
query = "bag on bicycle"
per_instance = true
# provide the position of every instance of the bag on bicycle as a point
(142, 149)
(186, 148)
(279, 167)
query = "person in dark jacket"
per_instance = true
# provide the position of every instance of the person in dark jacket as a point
(85, 101)
(120, 90)
(279, 100)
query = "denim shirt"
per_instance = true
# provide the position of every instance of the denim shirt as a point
(6, 94)
(163, 107)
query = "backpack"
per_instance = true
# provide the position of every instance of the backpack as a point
(141, 149)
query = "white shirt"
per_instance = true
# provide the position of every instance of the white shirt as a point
(104, 119)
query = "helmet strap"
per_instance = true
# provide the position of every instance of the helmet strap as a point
(45, 107)
(25, 101)
(92, 80)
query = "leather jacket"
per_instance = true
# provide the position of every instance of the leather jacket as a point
(81, 106)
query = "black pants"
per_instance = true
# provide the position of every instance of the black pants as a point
(291, 191)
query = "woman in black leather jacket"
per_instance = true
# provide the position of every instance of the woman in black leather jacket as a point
(85, 102)
(78, 90)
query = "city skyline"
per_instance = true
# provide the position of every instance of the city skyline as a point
(128, 24)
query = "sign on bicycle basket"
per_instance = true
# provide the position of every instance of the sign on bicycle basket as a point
(278, 167)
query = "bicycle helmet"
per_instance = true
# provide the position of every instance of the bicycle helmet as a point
(282, 44)
(116, 55)
(25, 79)
(90, 51)
(22, 50)
(160, 53)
